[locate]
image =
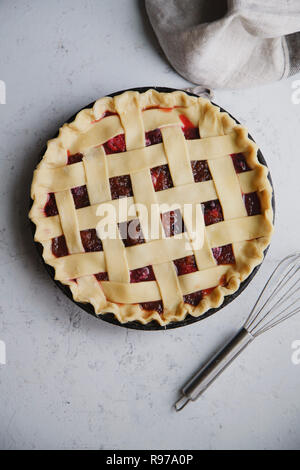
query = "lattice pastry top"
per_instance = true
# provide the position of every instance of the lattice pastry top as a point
(139, 162)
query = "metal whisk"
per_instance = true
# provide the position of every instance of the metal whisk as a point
(278, 301)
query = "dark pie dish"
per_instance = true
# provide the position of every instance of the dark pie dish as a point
(189, 319)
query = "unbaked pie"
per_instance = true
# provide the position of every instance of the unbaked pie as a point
(137, 161)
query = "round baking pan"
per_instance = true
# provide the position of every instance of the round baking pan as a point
(153, 325)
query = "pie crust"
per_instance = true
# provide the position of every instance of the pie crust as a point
(133, 114)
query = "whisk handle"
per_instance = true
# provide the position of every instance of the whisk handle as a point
(213, 368)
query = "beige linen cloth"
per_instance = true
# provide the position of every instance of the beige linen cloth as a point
(229, 44)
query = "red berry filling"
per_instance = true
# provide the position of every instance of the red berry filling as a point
(185, 265)
(224, 254)
(166, 110)
(208, 291)
(223, 281)
(153, 137)
(50, 208)
(59, 246)
(252, 203)
(108, 113)
(104, 115)
(161, 178)
(115, 145)
(131, 233)
(212, 212)
(76, 158)
(90, 240)
(200, 171)
(101, 276)
(157, 306)
(120, 186)
(81, 197)
(239, 162)
(190, 131)
(194, 298)
(142, 274)
(173, 223)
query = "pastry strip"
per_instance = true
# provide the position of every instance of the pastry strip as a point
(177, 155)
(192, 193)
(97, 177)
(50, 227)
(99, 133)
(228, 188)
(157, 119)
(62, 178)
(145, 198)
(131, 293)
(169, 287)
(69, 222)
(215, 147)
(157, 251)
(128, 107)
(74, 266)
(116, 261)
(201, 280)
(92, 263)
(136, 160)
(237, 230)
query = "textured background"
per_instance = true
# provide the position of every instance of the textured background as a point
(72, 381)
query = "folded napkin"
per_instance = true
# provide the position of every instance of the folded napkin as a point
(229, 44)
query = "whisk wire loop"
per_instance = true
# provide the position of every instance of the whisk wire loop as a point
(267, 311)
